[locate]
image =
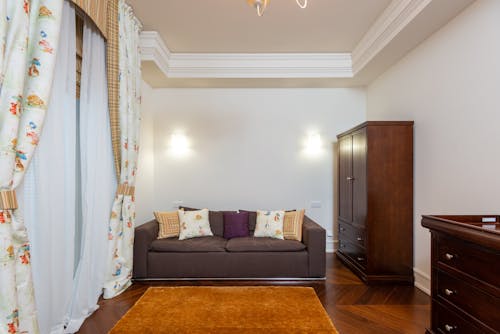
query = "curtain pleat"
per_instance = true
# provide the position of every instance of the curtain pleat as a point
(122, 221)
(113, 75)
(29, 35)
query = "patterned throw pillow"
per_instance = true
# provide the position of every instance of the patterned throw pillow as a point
(269, 224)
(168, 224)
(194, 224)
(292, 225)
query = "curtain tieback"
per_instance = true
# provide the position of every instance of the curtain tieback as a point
(8, 200)
(125, 189)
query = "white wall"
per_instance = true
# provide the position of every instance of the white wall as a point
(450, 86)
(247, 147)
(144, 192)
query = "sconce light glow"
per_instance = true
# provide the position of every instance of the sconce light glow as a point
(179, 144)
(313, 144)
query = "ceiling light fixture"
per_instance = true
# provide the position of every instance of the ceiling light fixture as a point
(261, 5)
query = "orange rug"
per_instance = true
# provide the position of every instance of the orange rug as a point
(221, 310)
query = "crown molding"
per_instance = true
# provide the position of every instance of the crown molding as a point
(383, 39)
(388, 25)
(243, 65)
(246, 65)
(153, 48)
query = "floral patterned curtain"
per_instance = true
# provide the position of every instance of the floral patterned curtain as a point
(29, 34)
(121, 224)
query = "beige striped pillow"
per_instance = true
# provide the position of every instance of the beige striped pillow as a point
(292, 225)
(169, 225)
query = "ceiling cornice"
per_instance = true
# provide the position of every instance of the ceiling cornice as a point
(243, 65)
(386, 39)
(388, 25)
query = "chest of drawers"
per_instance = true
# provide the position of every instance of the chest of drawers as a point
(465, 277)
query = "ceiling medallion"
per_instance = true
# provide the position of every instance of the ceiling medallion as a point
(261, 5)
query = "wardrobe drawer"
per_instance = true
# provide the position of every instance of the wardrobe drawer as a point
(446, 321)
(470, 299)
(353, 234)
(469, 259)
(357, 254)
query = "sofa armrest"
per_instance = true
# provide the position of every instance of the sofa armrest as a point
(144, 236)
(314, 237)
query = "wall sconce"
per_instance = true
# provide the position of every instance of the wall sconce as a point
(313, 144)
(179, 144)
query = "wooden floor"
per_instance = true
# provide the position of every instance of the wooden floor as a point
(353, 307)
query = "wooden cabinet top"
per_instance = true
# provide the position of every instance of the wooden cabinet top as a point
(376, 123)
(481, 229)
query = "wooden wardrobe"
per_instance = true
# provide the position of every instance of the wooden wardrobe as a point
(376, 201)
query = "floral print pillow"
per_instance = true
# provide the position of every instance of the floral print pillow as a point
(194, 224)
(269, 224)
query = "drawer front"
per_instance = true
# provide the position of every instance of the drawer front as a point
(470, 299)
(352, 233)
(357, 254)
(478, 262)
(446, 321)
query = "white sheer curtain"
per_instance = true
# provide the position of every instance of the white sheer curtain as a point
(97, 179)
(48, 197)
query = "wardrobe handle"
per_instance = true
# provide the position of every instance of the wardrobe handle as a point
(449, 292)
(350, 178)
(449, 328)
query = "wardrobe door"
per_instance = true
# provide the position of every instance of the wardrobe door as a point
(345, 182)
(359, 165)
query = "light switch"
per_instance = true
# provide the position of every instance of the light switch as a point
(315, 204)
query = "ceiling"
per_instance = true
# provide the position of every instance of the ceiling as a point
(331, 43)
(232, 26)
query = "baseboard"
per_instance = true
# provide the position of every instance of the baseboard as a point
(331, 245)
(422, 281)
(284, 279)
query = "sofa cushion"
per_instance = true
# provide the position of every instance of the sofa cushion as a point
(201, 244)
(216, 220)
(194, 224)
(236, 225)
(169, 225)
(252, 219)
(269, 224)
(262, 244)
(292, 225)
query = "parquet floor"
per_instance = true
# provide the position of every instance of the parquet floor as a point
(354, 307)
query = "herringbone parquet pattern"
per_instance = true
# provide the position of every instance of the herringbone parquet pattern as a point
(354, 307)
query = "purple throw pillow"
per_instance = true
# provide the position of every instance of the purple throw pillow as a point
(235, 225)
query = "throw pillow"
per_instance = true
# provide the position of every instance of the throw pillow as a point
(235, 225)
(168, 223)
(292, 225)
(194, 224)
(269, 224)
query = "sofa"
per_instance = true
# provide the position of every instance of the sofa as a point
(214, 257)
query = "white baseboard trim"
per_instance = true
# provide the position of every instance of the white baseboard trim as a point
(332, 246)
(422, 281)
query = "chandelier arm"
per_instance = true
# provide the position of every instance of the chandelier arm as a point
(260, 9)
(302, 5)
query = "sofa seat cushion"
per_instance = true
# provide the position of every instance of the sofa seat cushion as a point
(263, 244)
(200, 244)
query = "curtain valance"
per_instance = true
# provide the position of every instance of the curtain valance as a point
(97, 11)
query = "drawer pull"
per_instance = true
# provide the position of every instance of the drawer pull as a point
(449, 328)
(449, 256)
(359, 239)
(342, 229)
(449, 292)
(361, 258)
(350, 178)
(342, 245)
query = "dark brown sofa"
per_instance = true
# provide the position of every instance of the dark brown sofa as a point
(238, 258)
